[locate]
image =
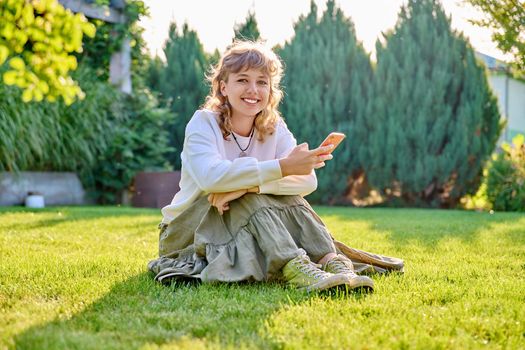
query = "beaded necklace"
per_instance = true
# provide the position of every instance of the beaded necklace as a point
(243, 151)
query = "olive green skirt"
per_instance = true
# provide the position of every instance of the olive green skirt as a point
(252, 241)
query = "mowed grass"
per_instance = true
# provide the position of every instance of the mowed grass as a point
(76, 278)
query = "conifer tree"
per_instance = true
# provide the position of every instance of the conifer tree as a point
(213, 58)
(326, 89)
(183, 85)
(154, 70)
(248, 30)
(434, 119)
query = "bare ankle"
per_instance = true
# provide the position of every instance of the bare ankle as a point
(327, 258)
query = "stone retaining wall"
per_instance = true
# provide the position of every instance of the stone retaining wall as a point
(58, 188)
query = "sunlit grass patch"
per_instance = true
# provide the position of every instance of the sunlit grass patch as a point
(77, 278)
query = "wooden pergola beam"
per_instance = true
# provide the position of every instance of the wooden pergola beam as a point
(108, 14)
(120, 64)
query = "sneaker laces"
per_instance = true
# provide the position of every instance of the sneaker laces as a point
(339, 265)
(306, 266)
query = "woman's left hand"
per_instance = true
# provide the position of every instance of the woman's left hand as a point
(222, 200)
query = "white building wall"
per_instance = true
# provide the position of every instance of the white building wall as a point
(516, 105)
(511, 101)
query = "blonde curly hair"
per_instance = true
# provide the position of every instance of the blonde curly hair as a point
(241, 56)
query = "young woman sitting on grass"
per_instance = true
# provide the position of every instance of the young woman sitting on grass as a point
(240, 214)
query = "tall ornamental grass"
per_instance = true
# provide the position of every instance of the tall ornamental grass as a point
(54, 137)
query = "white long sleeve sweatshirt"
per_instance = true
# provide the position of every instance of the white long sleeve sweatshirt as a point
(212, 164)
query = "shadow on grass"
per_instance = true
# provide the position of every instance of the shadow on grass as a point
(429, 227)
(139, 311)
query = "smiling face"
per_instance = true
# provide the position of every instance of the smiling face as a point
(247, 91)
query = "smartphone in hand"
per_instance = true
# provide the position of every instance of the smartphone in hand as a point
(334, 138)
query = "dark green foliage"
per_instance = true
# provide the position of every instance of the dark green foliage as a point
(506, 177)
(139, 143)
(154, 70)
(213, 58)
(139, 139)
(106, 138)
(181, 84)
(434, 121)
(139, 58)
(97, 51)
(247, 30)
(326, 89)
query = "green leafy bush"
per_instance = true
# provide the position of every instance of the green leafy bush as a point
(106, 138)
(38, 39)
(477, 201)
(140, 143)
(506, 177)
(97, 50)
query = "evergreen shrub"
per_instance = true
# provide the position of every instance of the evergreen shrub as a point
(248, 30)
(180, 83)
(506, 177)
(434, 120)
(326, 86)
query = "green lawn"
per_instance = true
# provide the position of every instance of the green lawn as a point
(75, 278)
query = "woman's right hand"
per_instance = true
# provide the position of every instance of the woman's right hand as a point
(301, 161)
(222, 200)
